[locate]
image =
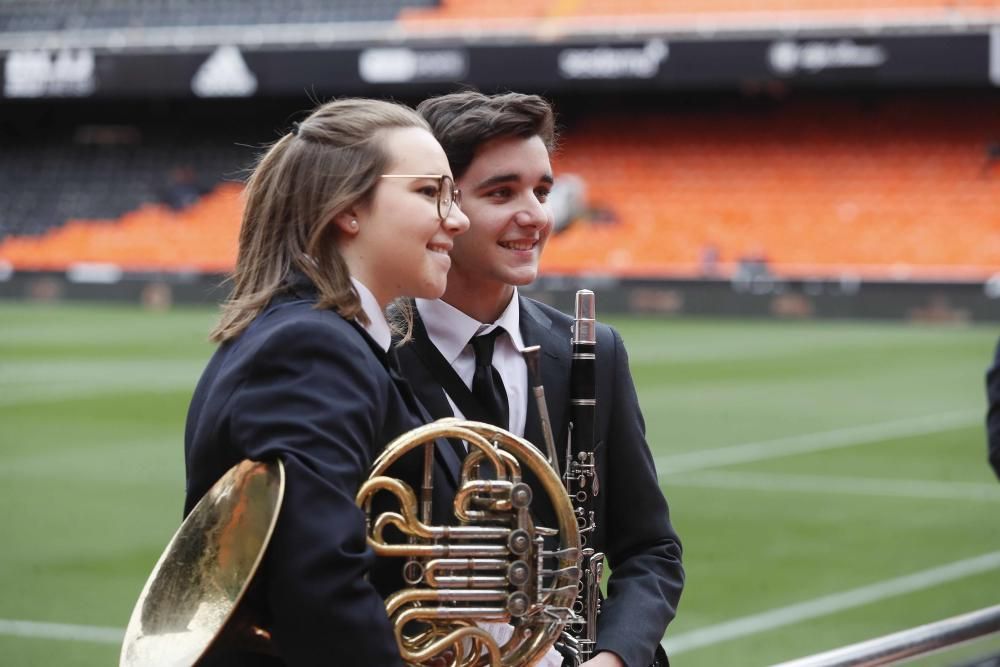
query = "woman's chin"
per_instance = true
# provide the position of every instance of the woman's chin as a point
(434, 288)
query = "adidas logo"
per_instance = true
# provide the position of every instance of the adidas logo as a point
(224, 74)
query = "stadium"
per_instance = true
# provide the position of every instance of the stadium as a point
(788, 208)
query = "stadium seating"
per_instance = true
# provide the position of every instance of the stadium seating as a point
(894, 188)
(154, 237)
(103, 172)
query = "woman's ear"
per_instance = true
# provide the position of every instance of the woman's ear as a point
(347, 222)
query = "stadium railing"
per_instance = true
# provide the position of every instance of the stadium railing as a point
(897, 647)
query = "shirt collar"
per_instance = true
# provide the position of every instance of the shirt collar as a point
(450, 329)
(378, 326)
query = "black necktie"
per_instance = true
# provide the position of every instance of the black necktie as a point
(487, 386)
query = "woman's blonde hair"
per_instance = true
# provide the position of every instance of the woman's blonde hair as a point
(330, 162)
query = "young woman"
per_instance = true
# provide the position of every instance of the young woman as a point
(351, 209)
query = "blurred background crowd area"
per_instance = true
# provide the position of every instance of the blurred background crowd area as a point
(797, 138)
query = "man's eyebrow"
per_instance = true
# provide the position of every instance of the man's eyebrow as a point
(496, 180)
(512, 177)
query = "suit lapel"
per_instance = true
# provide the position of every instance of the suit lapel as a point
(392, 366)
(537, 329)
(412, 362)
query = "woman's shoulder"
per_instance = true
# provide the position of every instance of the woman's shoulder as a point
(292, 327)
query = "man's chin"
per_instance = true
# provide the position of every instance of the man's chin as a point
(521, 277)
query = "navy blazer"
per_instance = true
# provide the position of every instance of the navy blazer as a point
(634, 530)
(311, 388)
(993, 412)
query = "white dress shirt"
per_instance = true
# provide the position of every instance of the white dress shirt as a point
(378, 326)
(451, 330)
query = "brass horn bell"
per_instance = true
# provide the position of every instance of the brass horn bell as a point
(188, 606)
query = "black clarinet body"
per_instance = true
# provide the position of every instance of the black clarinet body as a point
(580, 472)
(582, 482)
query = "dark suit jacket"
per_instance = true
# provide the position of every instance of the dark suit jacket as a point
(312, 389)
(644, 552)
(993, 413)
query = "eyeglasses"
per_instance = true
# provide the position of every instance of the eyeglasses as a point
(448, 194)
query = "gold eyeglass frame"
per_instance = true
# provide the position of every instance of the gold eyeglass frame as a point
(456, 194)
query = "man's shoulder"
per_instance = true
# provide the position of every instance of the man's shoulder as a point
(538, 308)
(606, 334)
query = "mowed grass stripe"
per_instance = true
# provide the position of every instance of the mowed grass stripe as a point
(137, 464)
(813, 442)
(883, 372)
(27, 382)
(829, 604)
(61, 631)
(856, 624)
(720, 342)
(746, 552)
(98, 371)
(27, 326)
(824, 484)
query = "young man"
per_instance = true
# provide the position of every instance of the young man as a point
(498, 147)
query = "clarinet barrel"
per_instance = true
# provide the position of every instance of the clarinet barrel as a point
(583, 390)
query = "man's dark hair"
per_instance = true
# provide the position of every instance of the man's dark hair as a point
(462, 122)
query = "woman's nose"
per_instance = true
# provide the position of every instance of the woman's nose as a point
(456, 222)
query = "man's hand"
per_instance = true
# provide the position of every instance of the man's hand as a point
(604, 659)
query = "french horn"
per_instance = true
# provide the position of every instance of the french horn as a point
(491, 567)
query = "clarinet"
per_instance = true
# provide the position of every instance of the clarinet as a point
(581, 480)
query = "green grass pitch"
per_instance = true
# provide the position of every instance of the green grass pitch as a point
(828, 479)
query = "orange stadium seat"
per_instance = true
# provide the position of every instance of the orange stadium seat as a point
(820, 189)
